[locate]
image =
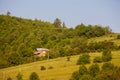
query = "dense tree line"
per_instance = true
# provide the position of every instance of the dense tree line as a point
(20, 37)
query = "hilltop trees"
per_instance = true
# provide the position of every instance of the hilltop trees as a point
(57, 23)
(8, 13)
(91, 31)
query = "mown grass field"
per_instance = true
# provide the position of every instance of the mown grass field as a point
(62, 69)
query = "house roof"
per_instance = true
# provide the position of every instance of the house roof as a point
(42, 49)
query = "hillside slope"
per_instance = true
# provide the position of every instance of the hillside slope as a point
(20, 37)
(61, 68)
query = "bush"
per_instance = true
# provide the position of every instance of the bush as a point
(94, 69)
(107, 66)
(106, 56)
(104, 76)
(68, 58)
(43, 68)
(86, 77)
(19, 76)
(83, 59)
(82, 70)
(34, 76)
(75, 76)
(108, 75)
(118, 36)
(97, 60)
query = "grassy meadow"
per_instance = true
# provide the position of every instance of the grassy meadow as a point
(61, 68)
(110, 37)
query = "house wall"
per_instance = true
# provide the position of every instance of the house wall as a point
(42, 54)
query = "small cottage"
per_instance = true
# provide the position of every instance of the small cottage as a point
(41, 52)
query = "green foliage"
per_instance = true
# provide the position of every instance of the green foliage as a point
(107, 66)
(34, 76)
(108, 72)
(3, 63)
(101, 46)
(86, 77)
(68, 58)
(42, 68)
(19, 76)
(97, 60)
(113, 74)
(75, 76)
(57, 23)
(94, 70)
(83, 59)
(118, 36)
(91, 31)
(79, 45)
(15, 59)
(83, 70)
(106, 55)
(20, 37)
(23, 51)
(104, 76)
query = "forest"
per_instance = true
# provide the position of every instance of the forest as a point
(19, 37)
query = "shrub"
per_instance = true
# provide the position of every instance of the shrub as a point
(108, 75)
(83, 59)
(86, 77)
(118, 36)
(104, 76)
(107, 66)
(19, 76)
(68, 58)
(82, 70)
(106, 55)
(34, 76)
(94, 69)
(97, 60)
(75, 76)
(43, 68)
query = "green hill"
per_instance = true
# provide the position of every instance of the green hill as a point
(20, 37)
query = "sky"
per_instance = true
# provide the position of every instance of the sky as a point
(72, 12)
